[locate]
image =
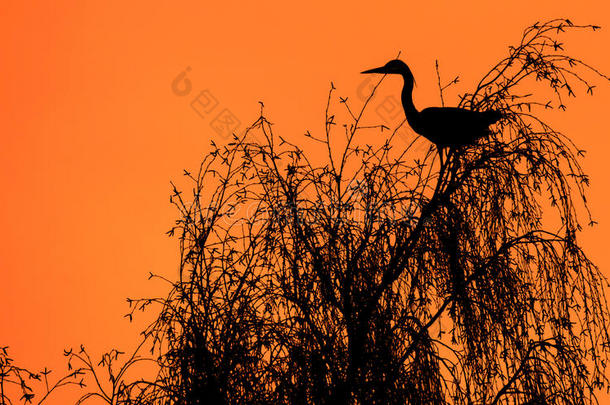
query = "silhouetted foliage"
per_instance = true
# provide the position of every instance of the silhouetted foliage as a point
(18, 382)
(378, 277)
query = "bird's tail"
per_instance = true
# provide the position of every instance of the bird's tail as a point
(492, 116)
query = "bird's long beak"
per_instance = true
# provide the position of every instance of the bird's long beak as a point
(376, 70)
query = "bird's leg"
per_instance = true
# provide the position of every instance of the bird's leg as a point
(442, 169)
(440, 157)
(451, 162)
(439, 179)
(447, 162)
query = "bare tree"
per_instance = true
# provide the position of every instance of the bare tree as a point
(378, 277)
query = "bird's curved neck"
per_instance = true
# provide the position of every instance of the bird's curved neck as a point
(411, 112)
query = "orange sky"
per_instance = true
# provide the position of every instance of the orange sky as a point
(92, 132)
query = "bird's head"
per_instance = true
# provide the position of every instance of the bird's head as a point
(395, 66)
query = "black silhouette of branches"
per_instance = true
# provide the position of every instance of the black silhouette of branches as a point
(106, 380)
(16, 380)
(108, 377)
(374, 276)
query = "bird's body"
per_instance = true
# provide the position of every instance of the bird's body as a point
(443, 126)
(451, 126)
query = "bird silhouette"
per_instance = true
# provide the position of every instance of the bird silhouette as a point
(443, 126)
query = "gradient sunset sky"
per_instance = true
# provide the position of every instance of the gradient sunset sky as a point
(92, 130)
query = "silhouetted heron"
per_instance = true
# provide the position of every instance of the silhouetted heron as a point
(443, 126)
